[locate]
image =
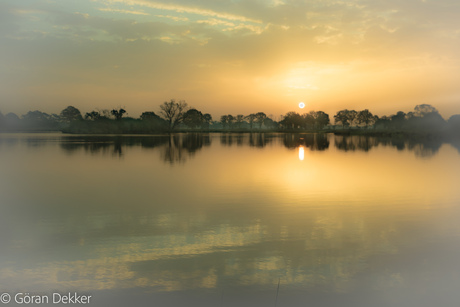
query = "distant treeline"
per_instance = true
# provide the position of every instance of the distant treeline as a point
(177, 116)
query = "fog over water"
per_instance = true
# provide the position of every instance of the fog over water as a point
(221, 219)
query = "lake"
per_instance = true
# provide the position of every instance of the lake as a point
(231, 219)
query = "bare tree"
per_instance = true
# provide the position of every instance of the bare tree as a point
(173, 112)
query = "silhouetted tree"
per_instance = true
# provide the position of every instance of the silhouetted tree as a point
(422, 110)
(352, 117)
(12, 122)
(193, 118)
(239, 120)
(365, 117)
(309, 120)
(106, 114)
(207, 120)
(270, 123)
(321, 119)
(260, 117)
(173, 112)
(453, 125)
(37, 120)
(70, 114)
(398, 120)
(224, 121)
(118, 114)
(93, 115)
(152, 122)
(292, 120)
(251, 118)
(230, 120)
(149, 116)
(342, 118)
(425, 118)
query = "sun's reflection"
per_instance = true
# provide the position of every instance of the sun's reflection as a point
(301, 153)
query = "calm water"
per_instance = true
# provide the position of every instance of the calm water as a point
(231, 219)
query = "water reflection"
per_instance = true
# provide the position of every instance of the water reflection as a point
(421, 146)
(252, 139)
(324, 249)
(311, 141)
(178, 147)
(301, 153)
(359, 216)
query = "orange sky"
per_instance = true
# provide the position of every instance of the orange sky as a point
(234, 57)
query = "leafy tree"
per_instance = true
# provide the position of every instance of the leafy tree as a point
(11, 117)
(207, 120)
(150, 122)
(12, 122)
(398, 120)
(118, 114)
(193, 118)
(93, 115)
(292, 120)
(342, 117)
(37, 120)
(352, 116)
(230, 120)
(70, 114)
(346, 117)
(422, 110)
(270, 123)
(239, 120)
(425, 117)
(106, 114)
(365, 117)
(260, 117)
(36, 116)
(454, 123)
(309, 120)
(383, 122)
(149, 116)
(224, 121)
(251, 118)
(322, 119)
(173, 112)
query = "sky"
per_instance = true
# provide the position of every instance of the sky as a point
(230, 56)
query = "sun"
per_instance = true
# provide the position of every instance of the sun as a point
(301, 105)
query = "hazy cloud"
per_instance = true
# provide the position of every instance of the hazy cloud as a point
(107, 9)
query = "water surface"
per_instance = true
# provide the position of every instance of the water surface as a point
(222, 219)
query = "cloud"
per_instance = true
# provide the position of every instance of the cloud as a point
(107, 9)
(184, 9)
(175, 18)
(215, 22)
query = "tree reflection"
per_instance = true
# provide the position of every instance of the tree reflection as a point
(259, 139)
(175, 148)
(422, 147)
(312, 141)
(178, 147)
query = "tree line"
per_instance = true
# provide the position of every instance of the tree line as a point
(178, 116)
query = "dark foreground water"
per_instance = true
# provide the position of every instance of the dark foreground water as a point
(230, 220)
